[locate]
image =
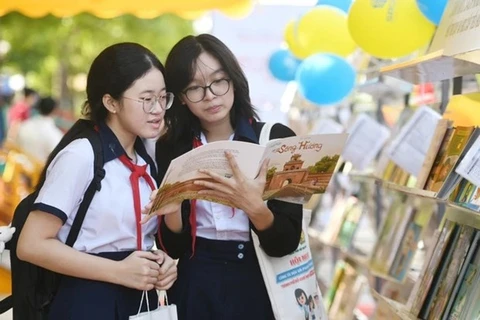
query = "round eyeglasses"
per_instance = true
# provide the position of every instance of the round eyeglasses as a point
(148, 104)
(197, 93)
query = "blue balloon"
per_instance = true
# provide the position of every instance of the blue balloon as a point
(325, 78)
(283, 65)
(432, 9)
(343, 5)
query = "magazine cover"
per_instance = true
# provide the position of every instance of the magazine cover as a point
(298, 168)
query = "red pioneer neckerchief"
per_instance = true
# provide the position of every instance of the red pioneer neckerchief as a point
(137, 173)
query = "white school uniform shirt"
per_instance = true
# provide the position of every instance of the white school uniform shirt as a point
(109, 224)
(38, 136)
(218, 222)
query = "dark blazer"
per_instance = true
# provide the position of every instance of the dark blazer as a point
(279, 240)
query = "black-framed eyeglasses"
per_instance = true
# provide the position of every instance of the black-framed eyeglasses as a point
(197, 93)
(148, 104)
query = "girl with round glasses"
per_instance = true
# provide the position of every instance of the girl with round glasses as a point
(111, 263)
(150, 101)
(219, 276)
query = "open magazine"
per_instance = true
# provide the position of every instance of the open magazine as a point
(298, 168)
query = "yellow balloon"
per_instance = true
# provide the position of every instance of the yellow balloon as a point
(290, 37)
(239, 10)
(389, 28)
(325, 29)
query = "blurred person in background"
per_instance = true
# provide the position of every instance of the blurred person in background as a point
(39, 135)
(4, 103)
(20, 111)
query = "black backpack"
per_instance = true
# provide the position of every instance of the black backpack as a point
(33, 287)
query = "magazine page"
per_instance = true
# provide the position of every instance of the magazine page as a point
(367, 138)
(178, 183)
(301, 166)
(469, 167)
(409, 148)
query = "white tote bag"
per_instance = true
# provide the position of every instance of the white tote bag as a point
(167, 312)
(290, 280)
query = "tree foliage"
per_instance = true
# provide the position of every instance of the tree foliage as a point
(325, 165)
(51, 51)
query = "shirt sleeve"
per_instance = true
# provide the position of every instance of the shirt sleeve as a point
(67, 179)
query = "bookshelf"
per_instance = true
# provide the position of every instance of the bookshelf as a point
(462, 215)
(434, 67)
(430, 212)
(424, 194)
(362, 263)
(380, 87)
(397, 310)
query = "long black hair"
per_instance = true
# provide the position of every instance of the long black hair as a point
(180, 123)
(113, 71)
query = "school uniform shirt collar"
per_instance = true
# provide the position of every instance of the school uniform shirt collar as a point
(244, 131)
(112, 149)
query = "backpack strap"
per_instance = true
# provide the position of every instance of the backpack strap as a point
(95, 185)
(6, 304)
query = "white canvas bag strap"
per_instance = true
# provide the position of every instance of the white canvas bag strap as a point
(145, 297)
(144, 293)
(265, 133)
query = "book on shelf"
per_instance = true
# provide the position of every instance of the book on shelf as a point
(382, 258)
(349, 225)
(365, 236)
(447, 281)
(433, 289)
(467, 195)
(470, 308)
(298, 167)
(467, 277)
(411, 231)
(341, 205)
(443, 178)
(338, 275)
(420, 291)
(347, 294)
(438, 146)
